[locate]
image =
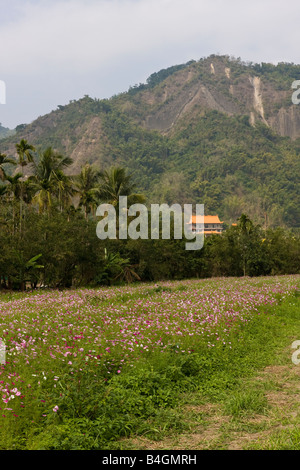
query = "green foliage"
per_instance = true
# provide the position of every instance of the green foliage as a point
(115, 267)
(158, 77)
(246, 402)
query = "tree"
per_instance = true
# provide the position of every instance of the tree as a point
(49, 178)
(25, 156)
(25, 153)
(28, 271)
(116, 268)
(65, 189)
(86, 184)
(15, 185)
(14, 189)
(249, 241)
(115, 183)
(4, 160)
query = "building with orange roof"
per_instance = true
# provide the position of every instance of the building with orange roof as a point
(212, 224)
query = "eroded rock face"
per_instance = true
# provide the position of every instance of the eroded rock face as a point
(191, 93)
(287, 122)
(257, 98)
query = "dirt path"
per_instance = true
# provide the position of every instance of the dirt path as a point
(216, 430)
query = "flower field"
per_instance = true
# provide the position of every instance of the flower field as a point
(55, 339)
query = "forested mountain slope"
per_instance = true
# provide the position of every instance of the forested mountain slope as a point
(215, 131)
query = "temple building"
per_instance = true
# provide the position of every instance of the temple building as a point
(212, 224)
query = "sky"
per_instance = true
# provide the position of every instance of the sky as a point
(54, 51)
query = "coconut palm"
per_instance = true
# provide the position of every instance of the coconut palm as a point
(64, 188)
(44, 194)
(86, 184)
(115, 183)
(51, 163)
(48, 177)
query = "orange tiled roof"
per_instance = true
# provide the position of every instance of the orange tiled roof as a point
(208, 219)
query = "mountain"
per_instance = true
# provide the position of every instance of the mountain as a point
(217, 131)
(260, 91)
(5, 132)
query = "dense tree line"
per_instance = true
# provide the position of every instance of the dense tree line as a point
(48, 232)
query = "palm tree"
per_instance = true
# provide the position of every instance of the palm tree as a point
(3, 215)
(4, 160)
(48, 177)
(44, 194)
(50, 164)
(65, 189)
(245, 230)
(116, 183)
(25, 153)
(15, 191)
(86, 184)
(28, 191)
(15, 185)
(25, 156)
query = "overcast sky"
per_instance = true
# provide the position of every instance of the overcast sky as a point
(53, 51)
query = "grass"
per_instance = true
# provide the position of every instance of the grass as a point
(240, 393)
